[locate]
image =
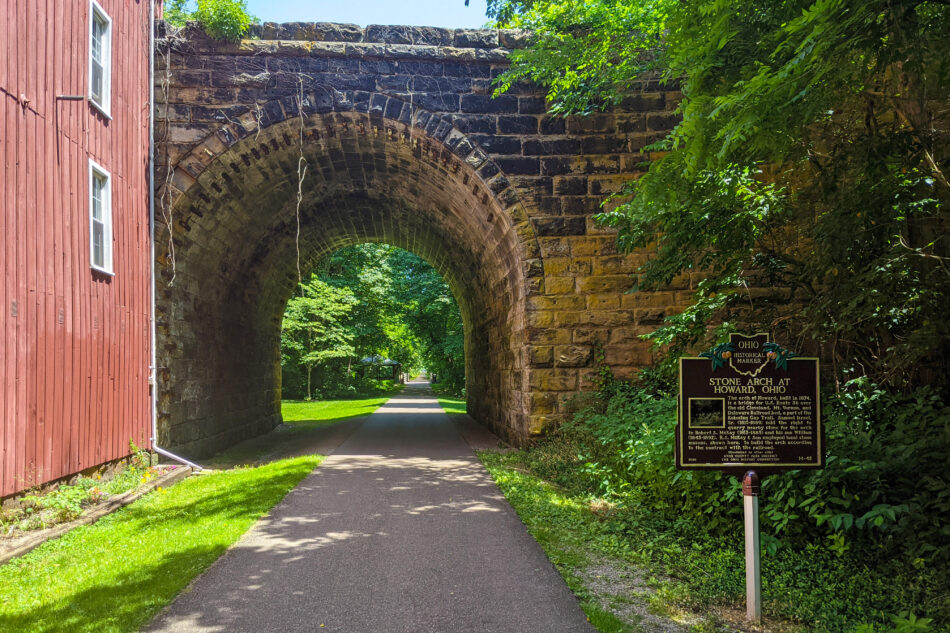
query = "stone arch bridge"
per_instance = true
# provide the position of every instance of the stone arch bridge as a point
(402, 143)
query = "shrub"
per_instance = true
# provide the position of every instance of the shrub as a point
(857, 542)
(222, 19)
(885, 484)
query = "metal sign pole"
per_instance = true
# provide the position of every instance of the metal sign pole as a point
(753, 571)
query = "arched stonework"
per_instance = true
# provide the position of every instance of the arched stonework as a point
(404, 144)
(368, 178)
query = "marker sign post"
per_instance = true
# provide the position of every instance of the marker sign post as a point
(749, 407)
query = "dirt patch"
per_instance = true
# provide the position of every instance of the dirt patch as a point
(735, 617)
(623, 589)
(628, 592)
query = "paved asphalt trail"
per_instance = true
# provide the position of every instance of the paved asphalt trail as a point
(400, 530)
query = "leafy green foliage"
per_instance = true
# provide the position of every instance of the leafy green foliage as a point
(314, 330)
(65, 502)
(503, 11)
(807, 183)
(429, 309)
(587, 54)
(837, 539)
(400, 308)
(226, 20)
(884, 485)
(176, 12)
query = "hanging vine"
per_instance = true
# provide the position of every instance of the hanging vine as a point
(165, 201)
(301, 172)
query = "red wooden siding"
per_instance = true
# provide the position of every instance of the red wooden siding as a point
(74, 344)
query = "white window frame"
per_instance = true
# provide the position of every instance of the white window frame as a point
(97, 170)
(96, 12)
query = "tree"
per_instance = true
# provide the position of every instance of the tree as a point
(812, 160)
(401, 309)
(376, 319)
(429, 309)
(314, 328)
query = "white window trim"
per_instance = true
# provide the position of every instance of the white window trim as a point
(95, 9)
(108, 268)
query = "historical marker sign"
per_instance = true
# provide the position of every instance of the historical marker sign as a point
(749, 404)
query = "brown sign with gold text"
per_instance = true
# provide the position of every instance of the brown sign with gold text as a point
(749, 404)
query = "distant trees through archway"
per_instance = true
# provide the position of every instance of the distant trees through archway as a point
(365, 307)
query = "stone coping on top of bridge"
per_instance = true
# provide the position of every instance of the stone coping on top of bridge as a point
(375, 40)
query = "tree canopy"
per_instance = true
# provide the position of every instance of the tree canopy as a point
(807, 180)
(315, 329)
(364, 301)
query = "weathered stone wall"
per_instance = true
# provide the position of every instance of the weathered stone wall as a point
(403, 143)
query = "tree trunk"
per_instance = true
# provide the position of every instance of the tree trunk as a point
(309, 371)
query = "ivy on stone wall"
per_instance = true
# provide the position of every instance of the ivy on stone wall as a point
(806, 186)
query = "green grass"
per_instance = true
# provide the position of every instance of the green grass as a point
(115, 575)
(605, 621)
(306, 425)
(300, 414)
(453, 405)
(692, 573)
(570, 534)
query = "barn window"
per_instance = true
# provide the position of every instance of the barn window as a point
(100, 58)
(100, 218)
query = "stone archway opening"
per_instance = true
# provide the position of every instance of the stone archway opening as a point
(241, 236)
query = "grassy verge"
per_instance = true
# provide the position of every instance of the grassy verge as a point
(629, 567)
(301, 415)
(453, 405)
(586, 549)
(115, 575)
(450, 402)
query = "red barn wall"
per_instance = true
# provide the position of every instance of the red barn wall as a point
(74, 344)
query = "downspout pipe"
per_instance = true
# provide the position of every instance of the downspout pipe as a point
(153, 368)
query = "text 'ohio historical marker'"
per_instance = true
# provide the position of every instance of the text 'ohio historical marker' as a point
(749, 405)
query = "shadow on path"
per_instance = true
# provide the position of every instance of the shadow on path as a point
(400, 529)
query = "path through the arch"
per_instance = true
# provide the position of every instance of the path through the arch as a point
(401, 529)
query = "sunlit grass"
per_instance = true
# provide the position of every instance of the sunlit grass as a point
(306, 425)
(115, 575)
(564, 527)
(300, 414)
(453, 405)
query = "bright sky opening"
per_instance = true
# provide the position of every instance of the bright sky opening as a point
(443, 13)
